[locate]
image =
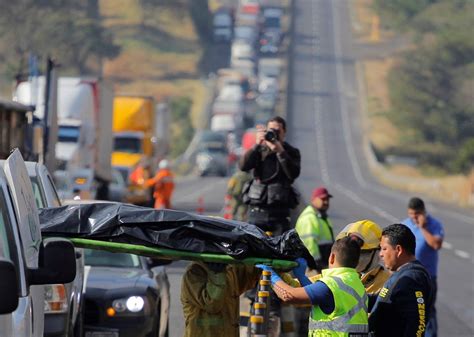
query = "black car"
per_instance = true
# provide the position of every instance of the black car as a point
(126, 295)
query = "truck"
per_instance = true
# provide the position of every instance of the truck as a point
(27, 260)
(84, 115)
(16, 129)
(137, 148)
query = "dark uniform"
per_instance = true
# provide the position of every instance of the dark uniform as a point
(271, 196)
(403, 304)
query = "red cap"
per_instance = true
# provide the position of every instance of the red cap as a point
(321, 192)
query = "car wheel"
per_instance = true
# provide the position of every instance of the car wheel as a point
(156, 326)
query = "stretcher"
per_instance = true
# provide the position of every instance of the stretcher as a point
(173, 254)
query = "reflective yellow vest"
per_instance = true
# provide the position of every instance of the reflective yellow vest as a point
(314, 231)
(350, 306)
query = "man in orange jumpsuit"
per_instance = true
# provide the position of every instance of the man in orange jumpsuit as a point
(164, 185)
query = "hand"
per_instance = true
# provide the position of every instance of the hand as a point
(275, 277)
(216, 267)
(260, 136)
(275, 146)
(300, 272)
(421, 220)
(301, 269)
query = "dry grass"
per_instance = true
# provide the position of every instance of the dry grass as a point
(363, 17)
(159, 53)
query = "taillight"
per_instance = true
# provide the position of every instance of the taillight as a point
(55, 299)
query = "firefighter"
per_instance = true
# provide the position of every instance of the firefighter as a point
(163, 185)
(373, 275)
(210, 297)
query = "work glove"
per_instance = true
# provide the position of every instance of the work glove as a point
(274, 278)
(300, 271)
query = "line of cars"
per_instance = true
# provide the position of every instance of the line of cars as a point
(248, 91)
(66, 291)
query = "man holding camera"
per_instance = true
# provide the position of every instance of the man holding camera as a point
(275, 164)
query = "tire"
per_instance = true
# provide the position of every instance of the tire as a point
(156, 325)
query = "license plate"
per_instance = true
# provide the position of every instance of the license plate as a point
(102, 334)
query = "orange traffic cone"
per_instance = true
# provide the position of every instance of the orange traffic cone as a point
(227, 208)
(200, 207)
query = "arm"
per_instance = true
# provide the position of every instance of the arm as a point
(435, 240)
(291, 295)
(406, 297)
(290, 162)
(250, 159)
(205, 290)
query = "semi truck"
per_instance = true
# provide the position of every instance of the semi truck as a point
(84, 145)
(137, 145)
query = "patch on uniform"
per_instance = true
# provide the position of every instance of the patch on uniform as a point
(421, 313)
(383, 292)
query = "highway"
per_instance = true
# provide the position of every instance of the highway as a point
(325, 124)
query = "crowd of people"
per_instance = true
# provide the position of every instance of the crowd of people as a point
(369, 281)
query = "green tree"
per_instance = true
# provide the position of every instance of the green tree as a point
(181, 130)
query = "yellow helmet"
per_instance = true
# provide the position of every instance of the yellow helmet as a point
(367, 230)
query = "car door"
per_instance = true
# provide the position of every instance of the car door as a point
(30, 312)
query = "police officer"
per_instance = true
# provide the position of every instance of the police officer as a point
(403, 305)
(275, 164)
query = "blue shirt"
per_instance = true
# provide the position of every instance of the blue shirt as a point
(320, 295)
(424, 253)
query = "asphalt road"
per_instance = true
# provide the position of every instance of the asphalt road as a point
(325, 124)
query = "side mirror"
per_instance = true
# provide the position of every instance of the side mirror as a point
(57, 263)
(8, 287)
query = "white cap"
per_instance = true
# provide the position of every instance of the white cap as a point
(163, 164)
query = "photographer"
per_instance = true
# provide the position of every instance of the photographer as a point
(275, 165)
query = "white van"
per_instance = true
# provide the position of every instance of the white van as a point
(27, 262)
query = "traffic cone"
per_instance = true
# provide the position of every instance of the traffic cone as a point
(227, 211)
(200, 207)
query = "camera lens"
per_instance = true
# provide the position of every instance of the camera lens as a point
(271, 136)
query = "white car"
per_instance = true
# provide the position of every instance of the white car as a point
(21, 246)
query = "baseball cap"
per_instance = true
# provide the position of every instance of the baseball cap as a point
(320, 192)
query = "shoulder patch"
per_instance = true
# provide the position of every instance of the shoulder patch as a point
(383, 292)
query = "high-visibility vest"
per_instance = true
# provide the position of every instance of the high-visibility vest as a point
(314, 231)
(350, 306)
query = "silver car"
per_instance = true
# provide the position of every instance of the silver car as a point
(63, 302)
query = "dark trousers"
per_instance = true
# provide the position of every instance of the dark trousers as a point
(432, 325)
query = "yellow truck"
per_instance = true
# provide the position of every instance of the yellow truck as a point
(135, 144)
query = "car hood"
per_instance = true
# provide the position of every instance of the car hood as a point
(112, 279)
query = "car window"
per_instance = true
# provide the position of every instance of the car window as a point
(49, 188)
(102, 258)
(39, 198)
(5, 226)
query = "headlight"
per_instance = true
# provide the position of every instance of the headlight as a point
(130, 304)
(135, 303)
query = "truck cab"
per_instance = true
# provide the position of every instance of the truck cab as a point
(34, 260)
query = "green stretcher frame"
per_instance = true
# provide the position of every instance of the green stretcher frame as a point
(172, 254)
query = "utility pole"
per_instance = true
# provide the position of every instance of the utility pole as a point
(50, 133)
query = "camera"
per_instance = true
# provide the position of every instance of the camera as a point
(271, 135)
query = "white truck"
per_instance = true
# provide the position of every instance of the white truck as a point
(85, 141)
(27, 262)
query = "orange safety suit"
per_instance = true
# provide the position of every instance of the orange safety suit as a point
(164, 187)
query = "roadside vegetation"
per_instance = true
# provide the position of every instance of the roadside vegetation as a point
(143, 47)
(419, 89)
(431, 84)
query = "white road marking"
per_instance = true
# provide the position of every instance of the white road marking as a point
(447, 245)
(462, 254)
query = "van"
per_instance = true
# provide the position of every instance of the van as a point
(27, 261)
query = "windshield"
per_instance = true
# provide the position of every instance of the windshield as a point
(272, 22)
(128, 144)
(68, 134)
(102, 258)
(5, 226)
